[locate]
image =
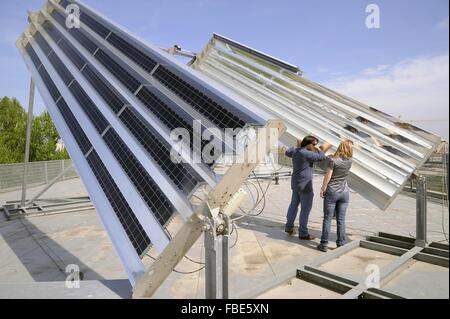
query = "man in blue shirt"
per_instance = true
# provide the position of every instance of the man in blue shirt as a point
(303, 158)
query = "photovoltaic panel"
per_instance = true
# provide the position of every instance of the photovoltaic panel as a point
(136, 55)
(89, 107)
(65, 46)
(181, 174)
(94, 25)
(69, 50)
(75, 128)
(59, 17)
(171, 119)
(132, 227)
(117, 119)
(60, 68)
(33, 56)
(52, 32)
(148, 189)
(82, 38)
(50, 85)
(110, 95)
(145, 185)
(184, 179)
(42, 43)
(119, 72)
(164, 112)
(205, 105)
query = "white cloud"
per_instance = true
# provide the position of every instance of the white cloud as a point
(443, 25)
(415, 89)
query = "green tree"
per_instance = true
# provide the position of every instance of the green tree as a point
(44, 135)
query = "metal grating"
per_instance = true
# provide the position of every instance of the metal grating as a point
(130, 223)
(145, 185)
(181, 174)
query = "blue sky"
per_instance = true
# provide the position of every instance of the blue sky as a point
(401, 68)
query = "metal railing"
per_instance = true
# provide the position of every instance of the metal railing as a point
(38, 173)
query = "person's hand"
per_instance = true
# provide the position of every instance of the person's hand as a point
(322, 193)
(299, 143)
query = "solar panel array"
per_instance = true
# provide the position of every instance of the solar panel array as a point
(99, 84)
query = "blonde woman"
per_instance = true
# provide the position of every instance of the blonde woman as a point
(336, 194)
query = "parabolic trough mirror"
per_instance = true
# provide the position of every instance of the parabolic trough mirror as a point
(387, 150)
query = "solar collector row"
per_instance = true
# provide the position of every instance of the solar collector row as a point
(211, 108)
(166, 114)
(148, 189)
(132, 52)
(139, 239)
(159, 204)
(128, 220)
(183, 176)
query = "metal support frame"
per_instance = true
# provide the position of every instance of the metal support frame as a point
(28, 140)
(212, 219)
(47, 187)
(421, 211)
(216, 264)
(392, 244)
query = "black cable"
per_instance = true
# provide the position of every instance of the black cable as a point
(234, 228)
(185, 256)
(180, 272)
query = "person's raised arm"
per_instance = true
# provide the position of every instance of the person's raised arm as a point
(290, 152)
(325, 147)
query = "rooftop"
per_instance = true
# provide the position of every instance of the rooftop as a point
(35, 251)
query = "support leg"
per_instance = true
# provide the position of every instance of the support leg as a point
(421, 211)
(216, 267)
(27, 142)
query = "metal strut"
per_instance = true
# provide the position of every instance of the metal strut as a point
(212, 219)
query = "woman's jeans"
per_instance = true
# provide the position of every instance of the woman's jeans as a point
(306, 202)
(334, 202)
